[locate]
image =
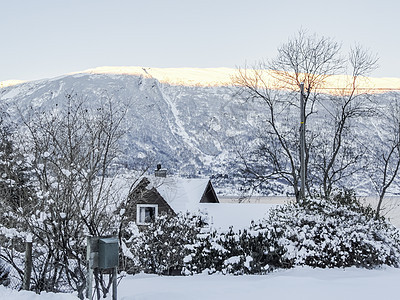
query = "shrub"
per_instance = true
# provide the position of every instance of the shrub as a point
(231, 252)
(161, 247)
(338, 232)
(325, 233)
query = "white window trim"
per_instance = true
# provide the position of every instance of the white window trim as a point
(139, 206)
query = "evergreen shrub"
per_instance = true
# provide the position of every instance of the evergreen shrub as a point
(336, 232)
(324, 233)
(161, 247)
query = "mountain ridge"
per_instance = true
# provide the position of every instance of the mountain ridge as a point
(208, 76)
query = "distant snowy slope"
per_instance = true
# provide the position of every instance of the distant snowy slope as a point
(191, 129)
(182, 127)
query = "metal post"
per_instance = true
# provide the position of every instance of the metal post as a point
(28, 263)
(89, 278)
(114, 293)
(302, 143)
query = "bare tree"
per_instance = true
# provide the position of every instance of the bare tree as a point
(311, 60)
(341, 156)
(385, 154)
(70, 148)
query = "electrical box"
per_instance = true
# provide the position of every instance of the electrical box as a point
(108, 253)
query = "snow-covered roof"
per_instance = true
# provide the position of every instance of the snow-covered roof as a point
(182, 194)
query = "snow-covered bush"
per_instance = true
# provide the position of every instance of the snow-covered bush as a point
(183, 245)
(206, 254)
(338, 232)
(326, 233)
(232, 252)
(163, 246)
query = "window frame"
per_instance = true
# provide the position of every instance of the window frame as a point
(139, 207)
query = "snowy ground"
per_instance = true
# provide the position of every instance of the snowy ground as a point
(298, 284)
(9, 294)
(301, 283)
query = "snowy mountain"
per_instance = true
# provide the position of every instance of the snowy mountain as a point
(189, 126)
(185, 128)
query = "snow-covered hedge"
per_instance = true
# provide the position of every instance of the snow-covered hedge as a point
(232, 252)
(161, 247)
(339, 232)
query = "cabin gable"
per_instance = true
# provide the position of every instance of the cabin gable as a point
(209, 195)
(144, 203)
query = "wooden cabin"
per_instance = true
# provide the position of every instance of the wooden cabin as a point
(154, 196)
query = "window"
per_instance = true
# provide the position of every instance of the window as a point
(146, 213)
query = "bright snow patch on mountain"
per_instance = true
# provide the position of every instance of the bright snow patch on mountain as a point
(10, 83)
(223, 76)
(175, 76)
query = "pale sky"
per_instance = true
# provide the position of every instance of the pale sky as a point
(48, 38)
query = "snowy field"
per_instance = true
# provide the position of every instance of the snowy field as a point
(390, 208)
(238, 215)
(296, 284)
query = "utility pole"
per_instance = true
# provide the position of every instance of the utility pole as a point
(302, 143)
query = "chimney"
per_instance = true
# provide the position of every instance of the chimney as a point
(159, 172)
